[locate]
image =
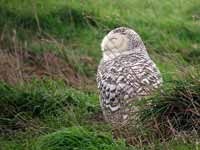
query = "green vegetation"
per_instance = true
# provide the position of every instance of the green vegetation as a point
(49, 54)
(177, 107)
(78, 138)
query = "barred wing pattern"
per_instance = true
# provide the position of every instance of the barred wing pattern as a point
(123, 80)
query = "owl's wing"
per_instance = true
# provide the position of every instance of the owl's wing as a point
(119, 81)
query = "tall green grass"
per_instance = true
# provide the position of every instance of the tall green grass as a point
(79, 138)
(44, 99)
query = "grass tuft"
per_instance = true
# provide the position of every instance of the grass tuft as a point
(42, 99)
(177, 108)
(78, 138)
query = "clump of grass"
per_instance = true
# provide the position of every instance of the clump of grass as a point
(41, 99)
(78, 138)
(176, 109)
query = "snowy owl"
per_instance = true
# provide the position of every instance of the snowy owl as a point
(125, 74)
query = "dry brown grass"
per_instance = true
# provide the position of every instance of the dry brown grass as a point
(20, 66)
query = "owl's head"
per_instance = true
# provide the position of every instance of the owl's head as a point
(120, 41)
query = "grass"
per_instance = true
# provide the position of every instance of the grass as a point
(176, 109)
(49, 55)
(78, 138)
(43, 99)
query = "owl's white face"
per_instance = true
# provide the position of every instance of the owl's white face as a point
(121, 41)
(115, 42)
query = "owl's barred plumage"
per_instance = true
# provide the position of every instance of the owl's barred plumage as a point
(125, 74)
